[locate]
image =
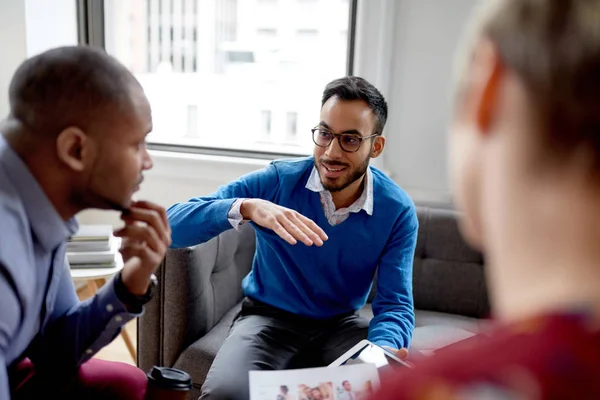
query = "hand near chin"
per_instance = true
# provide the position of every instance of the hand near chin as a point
(146, 237)
(290, 225)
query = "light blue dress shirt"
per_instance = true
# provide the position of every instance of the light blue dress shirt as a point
(40, 314)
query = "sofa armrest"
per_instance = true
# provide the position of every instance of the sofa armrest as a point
(197, 286)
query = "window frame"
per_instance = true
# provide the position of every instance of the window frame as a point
(91, 30)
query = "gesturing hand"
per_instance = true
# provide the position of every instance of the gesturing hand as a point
(290, 225)
(146, 238)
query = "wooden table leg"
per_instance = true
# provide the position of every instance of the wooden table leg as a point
(92, 286)
(129, 344)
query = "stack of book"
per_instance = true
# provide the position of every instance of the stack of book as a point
(93, 246)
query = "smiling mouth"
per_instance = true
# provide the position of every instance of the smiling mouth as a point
(337, 168)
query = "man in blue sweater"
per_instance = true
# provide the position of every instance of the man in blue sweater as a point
(351, 220)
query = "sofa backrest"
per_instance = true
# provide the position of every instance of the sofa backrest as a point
(448, 275)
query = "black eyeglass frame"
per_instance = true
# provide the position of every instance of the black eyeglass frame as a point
(339, 136)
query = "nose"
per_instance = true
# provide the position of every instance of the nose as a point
(334, 151)
(146, 160)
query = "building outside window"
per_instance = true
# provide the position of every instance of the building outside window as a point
(220, 74)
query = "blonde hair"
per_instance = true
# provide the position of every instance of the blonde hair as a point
(553, 46)
(472, 33)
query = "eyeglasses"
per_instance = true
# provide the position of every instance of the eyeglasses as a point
(348, 142)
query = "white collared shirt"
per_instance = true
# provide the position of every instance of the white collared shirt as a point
(336, 217)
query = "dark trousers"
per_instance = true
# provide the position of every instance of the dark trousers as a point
(266, 338)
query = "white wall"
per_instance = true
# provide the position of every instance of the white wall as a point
(43, 34)
(425, 37)
(28, 27)
(12, 46)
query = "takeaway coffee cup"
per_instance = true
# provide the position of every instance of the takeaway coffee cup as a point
(168, 384)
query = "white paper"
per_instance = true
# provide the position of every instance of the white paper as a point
(315, 383)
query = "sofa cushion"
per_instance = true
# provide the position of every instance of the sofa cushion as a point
(434, 330)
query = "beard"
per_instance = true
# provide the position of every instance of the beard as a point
(97, 196)
(98, 200)
(344, 181)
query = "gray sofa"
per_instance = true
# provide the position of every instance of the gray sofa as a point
(200, 293)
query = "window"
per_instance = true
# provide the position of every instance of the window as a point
(265, 123)
(307, 32)
(292, 125)
(222, 77)
(240, 56)
(192, 120)
(266, 32)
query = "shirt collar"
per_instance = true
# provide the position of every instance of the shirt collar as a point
(364, 202)
(47, 225)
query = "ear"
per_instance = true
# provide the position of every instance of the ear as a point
(74, 148)
(378, 145)
(489, 72)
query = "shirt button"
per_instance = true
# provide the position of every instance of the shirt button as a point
(89, 351)
(109, 308)
(118, 318)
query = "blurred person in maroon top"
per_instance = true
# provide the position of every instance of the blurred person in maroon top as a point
(525, 169)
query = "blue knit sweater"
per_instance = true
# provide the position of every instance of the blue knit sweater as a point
(319, 282)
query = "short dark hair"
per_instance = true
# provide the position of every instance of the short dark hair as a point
(351, 88)
(68, 86)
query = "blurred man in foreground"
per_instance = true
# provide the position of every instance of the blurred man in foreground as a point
(526, 172)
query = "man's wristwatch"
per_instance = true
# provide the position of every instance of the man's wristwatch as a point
(131, 301)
